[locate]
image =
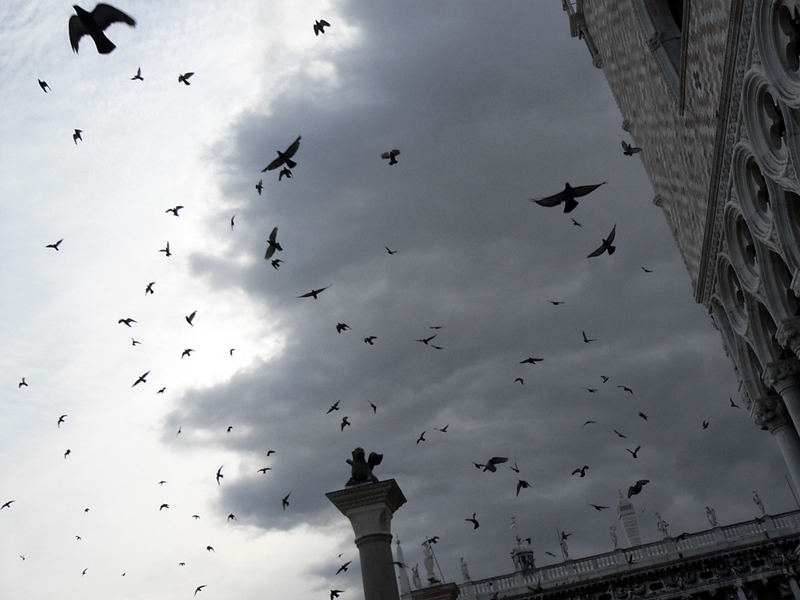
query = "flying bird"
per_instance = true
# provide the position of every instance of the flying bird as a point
(76, 135)
(319, 26)
(260, 186)
(581, 470)
(199, 588)
(515, 468)
(174, 210)
(637, 487)
(556, 302)
(427, 339)
(421, 437)
(625, 388)
(285, 501)
(531, 360)
(166, 250)
(335, 593)
(597, 507)
(622, 435)
(587, 340)
(231, 517)
(55, 245)
(334, 406)
(644, 416)
(219, 474)
(647, 270)
(272, 244)
(391, 156)
(340, 327)
(270, 452)
(187, 352)
(521, 483)
(442, 429)
(284, 172)
(491, 464)
(370, 339)
(390, 252)
(127, 321)
(163, 506)
(284, 157)
(634, 452)
(521, 381)
(66, 454)
(210, 548)
(344, 423)
(149, 288)
(374, 408)
(313, 293)
(474, 521)
(705, 424)
(231, 351)
(343, 568)
(22, 383)
(604, 378)
(276, 262)
(161, 391)
(590, 390)
(574, 222)
(190, 317)
(567, 196)
(585, 423)
(629, 150)
(93, 24)
(43, 85)
(138, 75)
(264, 470)
(232, 221)
(61, 419)
(7, 504)
(141, 379)
(185, 78)
(606, 245)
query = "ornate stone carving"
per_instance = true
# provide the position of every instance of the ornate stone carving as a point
(781, 374)
(788, 334)
(361, 471)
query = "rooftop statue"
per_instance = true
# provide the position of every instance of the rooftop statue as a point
(361, 469)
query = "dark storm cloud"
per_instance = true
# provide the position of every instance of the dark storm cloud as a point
(489, 108)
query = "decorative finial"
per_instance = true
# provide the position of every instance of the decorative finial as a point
(361, 470)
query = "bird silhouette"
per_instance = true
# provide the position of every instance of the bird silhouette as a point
(491, 464)
(141, 379)
(319, 26)
(521, 483)
(370, 339)
(345, 422)
(7, 504)
(604, 378)
(187, 352)
(190, 317)
(622, 435)
(76, 135)
(335, 593)
(219, 474)
(390, 252)
(55, 245)
(264, 470)
(149, 288)
(597, 507)
(340, 327)
(647, 270)
(231, 517)
(705, 424)
(284, 157)
(61, 419)
(162, 390)
(474, 521)
(174, 210)
(271, 452)
(127, 321)
(22, 383)
(637, 487)
(574, 222)
(585, 423)
(166, 250)
(374, 408)
(556, 302)
(590, 390)
(333, 407)
(284, 172)
(199, 588)
(233, 217)
(643, 416)
(276, 262)
(184, 78)
(521, 381)
(138, 75)
(285, 501)
(272, 244)
(66, 454)
(427, 339)
(314, 293)
(514, 468)
(531, 360)
(343, 568)
(606, 245)
(567, 196)
(260, 186)
(625, 388)
(421, 437)
(629, 150)
(634, 452)
(93, 24)
(442, 429)
(391, 156)
(587, 340)
(581, 470)
(211, 549)
(43, 85)
(163, 506)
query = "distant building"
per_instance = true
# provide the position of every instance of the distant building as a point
(710, 90)
(752, 560)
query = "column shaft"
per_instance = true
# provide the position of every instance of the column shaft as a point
(789, 444)
(794, 587)
(377, 568)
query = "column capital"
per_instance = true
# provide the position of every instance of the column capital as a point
(782, 374)
(770, 413)
(369, 506)
(788, 334)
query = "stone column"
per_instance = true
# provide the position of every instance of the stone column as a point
(370, 507)
(770, 413)
(794, 587)
(783, 377)
(788, 334)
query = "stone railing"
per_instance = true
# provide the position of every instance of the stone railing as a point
(623, 559)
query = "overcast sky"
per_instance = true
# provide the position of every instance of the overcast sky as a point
(490, 105)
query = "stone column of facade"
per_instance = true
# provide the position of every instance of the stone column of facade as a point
(370, 507)
(794, 587)
(771, 413)
(784, 377)
(788, 335)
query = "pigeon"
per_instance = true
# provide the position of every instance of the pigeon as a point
(427, 339)
(646, 270)
(705, 424)
(285, 501)
(531, 360)
(567, 196)
(138, 75)
(185, 78)
(585, 423)
(231, 517)
(637, 487)
(375, 409)
(625, 388)
(334, 406)
(313, 293)
(7, 504)
(344, 423)
(370, 339)
(190, 317)
(343, 568)
(210, 548)
(340, 327)
(606, 245)
(335, 593)
(634, 452)
(127, 321)
(232, 221)
(22, 383)
(163, 506)
(61, 419)
(587, 340)
(574, 222)
(597, 507)
(260, 186)
(231, 351)
(491, 464)
(43, 85)
(644, 416)
(166, 250)
(264, 470)
(622, 435)
(174, 210)
(521, 381)
(442, 429)
(515, 468)
(77, 136)
(521, 483)
(629, 150)
(474, 521)
(276, 263)
(55, 245)
(590, 390)
(272, 244)
(421, 437)
(581, 470)
(161, 391)
(284, 157)
(390, 252)
(66, 454)
(93, 23)
(187, 352)
(319, 26)
(284, 172)
(199, 588)
(604, 378)
(149, 288)
(556, 302)
(219, 474)
(141, 379)
(391, 156)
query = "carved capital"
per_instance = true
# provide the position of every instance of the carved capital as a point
(781, 374)
(788, 334)
(369, 506)
(770, 412)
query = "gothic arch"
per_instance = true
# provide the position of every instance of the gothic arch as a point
(754, 193)
(786, 208)
(762, 333)
(776, 23)
(766, 119)
(732, 296)
(742, 248)
(777, 279)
